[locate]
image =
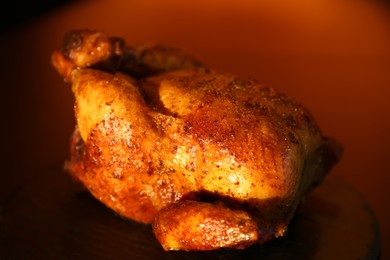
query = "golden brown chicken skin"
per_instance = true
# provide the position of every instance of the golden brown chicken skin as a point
(212, 160)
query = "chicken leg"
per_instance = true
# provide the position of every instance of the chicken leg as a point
(212, 160)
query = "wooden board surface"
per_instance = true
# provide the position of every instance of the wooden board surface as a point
(53, 217)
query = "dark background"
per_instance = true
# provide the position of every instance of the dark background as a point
(17, 13)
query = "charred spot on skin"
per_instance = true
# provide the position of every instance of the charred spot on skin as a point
(160, 164)
(239, 83)
(78, 146)
(117, 175)
(94, 149)
(174, 148)
(109, 103)
(72, 40)
(150, 170)
(191, 166)
(292, 138)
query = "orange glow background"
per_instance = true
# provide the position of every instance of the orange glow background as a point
(332, 55)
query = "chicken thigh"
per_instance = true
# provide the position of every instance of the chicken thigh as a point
(210, 159)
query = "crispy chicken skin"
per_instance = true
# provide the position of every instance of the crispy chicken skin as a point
(210, 159)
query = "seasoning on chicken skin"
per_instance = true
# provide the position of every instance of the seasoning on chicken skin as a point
(212, 160)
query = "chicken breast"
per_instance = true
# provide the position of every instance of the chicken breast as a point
(210, 159)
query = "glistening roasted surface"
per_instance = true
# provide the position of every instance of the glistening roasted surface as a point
(147, 145)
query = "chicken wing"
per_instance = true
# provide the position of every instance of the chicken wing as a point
(211, 159)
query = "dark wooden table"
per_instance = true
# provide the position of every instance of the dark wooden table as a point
(332, 55)
(53, 217)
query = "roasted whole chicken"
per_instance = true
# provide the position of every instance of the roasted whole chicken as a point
(210, 159)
